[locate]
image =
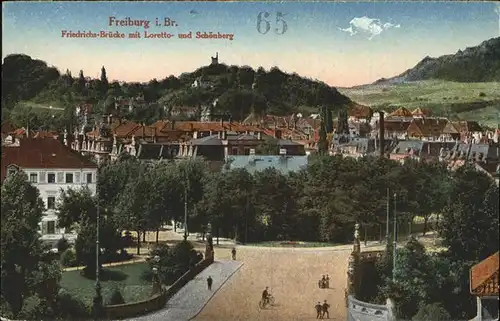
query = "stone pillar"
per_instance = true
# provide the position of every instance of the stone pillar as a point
(479, 309)
(353, 263)
(391, 309)
(209, 245)
(357, 245)
(156, 282)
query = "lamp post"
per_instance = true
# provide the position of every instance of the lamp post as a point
(97, 302)
(186, 206)
(387, 219)
(395, 241)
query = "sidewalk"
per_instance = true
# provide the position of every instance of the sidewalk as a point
(192, 298)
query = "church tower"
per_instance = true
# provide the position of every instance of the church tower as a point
(215, 60)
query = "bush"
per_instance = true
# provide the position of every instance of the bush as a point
(70, 308)
(432, 312)
(116, 297)
(62, 245)
(68, 258)
(481, 94)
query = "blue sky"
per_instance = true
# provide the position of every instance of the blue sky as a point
(343, 44)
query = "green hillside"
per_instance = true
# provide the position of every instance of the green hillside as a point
(30, 87)
(472, 101)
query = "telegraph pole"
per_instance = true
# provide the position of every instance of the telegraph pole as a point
(395, 240)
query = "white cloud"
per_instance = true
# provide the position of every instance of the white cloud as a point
(367, 27)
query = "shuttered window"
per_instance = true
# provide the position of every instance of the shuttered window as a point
(60, 177)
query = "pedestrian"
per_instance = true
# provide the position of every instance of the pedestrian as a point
(209, 283)
(323, 282)
(327, 282)
(319, 310)
(326, 306)
(233, 252)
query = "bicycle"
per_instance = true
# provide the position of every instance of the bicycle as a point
(263, 303)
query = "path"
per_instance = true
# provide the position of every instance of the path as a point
(191, 299)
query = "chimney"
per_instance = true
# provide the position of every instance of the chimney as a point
(224, 135)
(109, 119)
(381, 134)
(259, 135)
(143, 130)
(277, 134)
(172, 124)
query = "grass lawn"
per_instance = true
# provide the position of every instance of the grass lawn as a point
(292, 244)
(126, 277)
(436, 95)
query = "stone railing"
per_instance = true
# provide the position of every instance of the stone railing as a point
(363, 311)
(157, 301)
(358, 310)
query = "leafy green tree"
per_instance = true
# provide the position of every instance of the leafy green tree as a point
(468, 224)
(103, 84)
(432, 312)
(21, 214)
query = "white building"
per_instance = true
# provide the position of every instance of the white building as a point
(50, 166)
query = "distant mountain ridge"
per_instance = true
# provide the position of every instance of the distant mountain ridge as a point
(474, 64)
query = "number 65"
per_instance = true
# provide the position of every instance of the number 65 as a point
(263, 25)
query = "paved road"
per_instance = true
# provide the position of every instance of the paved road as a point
(193, 297)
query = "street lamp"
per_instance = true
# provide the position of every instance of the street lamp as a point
(395, 241)
(97, 303)
(387, 219)
(186, 207)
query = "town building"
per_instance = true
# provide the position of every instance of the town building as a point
(256, 163)
(51, 167)
(484, 286)
(218, 149)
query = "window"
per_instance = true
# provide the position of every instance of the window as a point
(33, 178)
(51, 178)
(89, 178)
(247, 151)
(234, 151)
(51, 202)
(69, 178)
(51, 227)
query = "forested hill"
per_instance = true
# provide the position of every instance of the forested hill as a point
(239, 91)
(474, 64)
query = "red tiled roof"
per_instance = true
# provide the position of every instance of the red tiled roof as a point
(466, 126)
(422, 112)
(191, 126)
(427, 126)
(359, 111)
(7, 128)
(401, 112)
(42, 153)
(484, 276)
(46, 134)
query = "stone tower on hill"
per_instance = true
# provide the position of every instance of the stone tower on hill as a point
(215, 60)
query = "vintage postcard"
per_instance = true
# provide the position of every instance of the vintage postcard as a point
(251, 161)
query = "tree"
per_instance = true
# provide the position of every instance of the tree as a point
(432, 312)
(77, 209)
(469, 223)
(103, 84)
(21, 214)
(81, 83)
